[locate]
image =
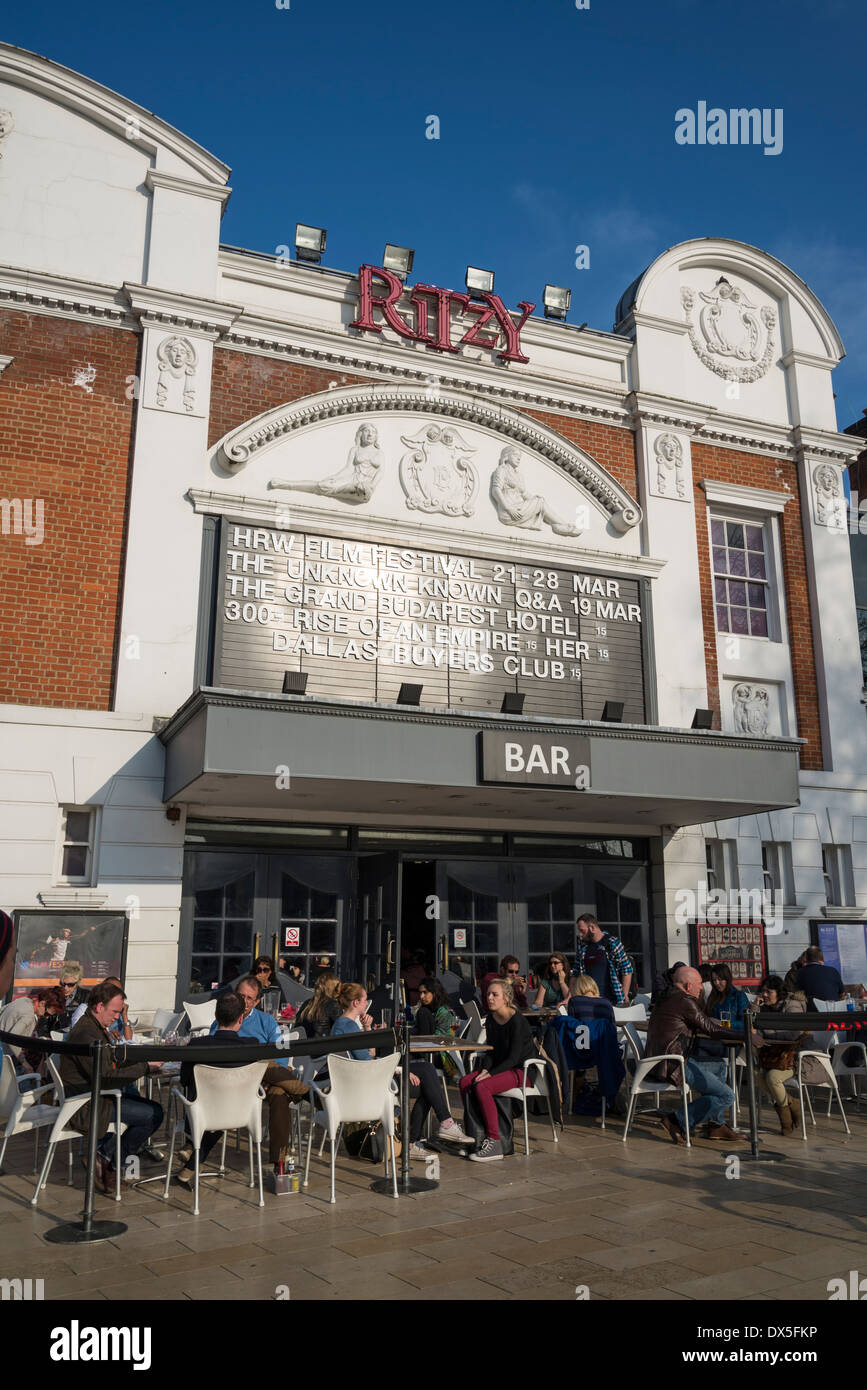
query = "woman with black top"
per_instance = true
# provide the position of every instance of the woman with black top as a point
(508, 1033)
(322, 1010)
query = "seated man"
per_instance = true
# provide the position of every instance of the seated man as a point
(229, 1017)
(818, 980)
(25, 1016)
(121, 1030)
(141, 1117)
(676, 1021)
(510, 969)
(281, 1085)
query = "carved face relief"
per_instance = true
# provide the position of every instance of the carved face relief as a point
(732, 336)
(671, 478)
(176, 359)
(828, 487)
(7, 123)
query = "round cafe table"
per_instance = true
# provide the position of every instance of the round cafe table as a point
(416, 1045)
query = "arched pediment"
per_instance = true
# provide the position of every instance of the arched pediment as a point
(437, 452)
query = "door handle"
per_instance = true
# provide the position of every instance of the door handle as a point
(255, 945)
(444, 951)
(274, 951)
(389, 952)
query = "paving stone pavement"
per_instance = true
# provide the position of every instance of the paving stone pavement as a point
(641, 1221)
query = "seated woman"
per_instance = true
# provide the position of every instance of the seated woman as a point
(433, 1014)
(554, 988)
(778, 1053)
(271, 997)
(320, 1012)
(508, 1033)
(423, 1078)
(585, 1002)
(728, 1004)
(725, 1001)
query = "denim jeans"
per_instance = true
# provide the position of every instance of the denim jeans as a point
(715, 1096)
(141, 1117)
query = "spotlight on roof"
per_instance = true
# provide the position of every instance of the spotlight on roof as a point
(409, 694)
(513, 703)
(309, 243)
(479, 281)
(613, 712)
(556, 300)
(702, 719)
(295, 682)
(398, 259)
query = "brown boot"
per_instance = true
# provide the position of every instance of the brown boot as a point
(795, 1111)
(784, 1115)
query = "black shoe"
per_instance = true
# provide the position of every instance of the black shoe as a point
(152, 1154)
(185, 1177)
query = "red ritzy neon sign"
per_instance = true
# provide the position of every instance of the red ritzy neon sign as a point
(432, 315)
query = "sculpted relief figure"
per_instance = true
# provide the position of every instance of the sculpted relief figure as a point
(516, 505)
(669, 459)
(356, 481)
(752, 709)
(436, 475)
(176, 359)
(829, 494)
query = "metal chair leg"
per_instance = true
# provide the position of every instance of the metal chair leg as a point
(43, 1176)
(69, 1182)
(686, 1112)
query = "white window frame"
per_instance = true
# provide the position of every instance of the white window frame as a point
(722, 865)
(771, 582)
(838, 875)
(777, 873)
(86, 879)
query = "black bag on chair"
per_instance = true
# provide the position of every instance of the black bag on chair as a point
(474, 1125)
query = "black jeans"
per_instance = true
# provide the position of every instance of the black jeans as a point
(430, 1097)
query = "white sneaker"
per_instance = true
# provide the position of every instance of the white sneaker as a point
(450, 1129)
(416, 1151)
(491, 1149)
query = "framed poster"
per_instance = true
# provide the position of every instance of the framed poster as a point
(844, 945)
(740, 945)
(48, 940)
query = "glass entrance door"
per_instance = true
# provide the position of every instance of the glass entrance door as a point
(477, 914)
(378, 922)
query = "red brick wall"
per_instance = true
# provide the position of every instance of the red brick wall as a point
(753, 470)
(71, 448)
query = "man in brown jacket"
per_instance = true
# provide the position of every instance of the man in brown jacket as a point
(676, 1022)
(141, 1117)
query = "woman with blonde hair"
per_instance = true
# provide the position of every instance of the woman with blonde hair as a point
(322, 1010)
(508, 1033)
(585, 1002)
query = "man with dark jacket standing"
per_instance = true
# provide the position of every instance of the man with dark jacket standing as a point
(141, 1117)
(676, 1021)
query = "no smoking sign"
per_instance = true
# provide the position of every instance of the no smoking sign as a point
(293, 936)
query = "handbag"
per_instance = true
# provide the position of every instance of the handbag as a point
(368, 1143)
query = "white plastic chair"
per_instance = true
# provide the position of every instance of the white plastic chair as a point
(17, 1108)
(820, 1055)
(226, 1098)
(62, 1131)
(476, 1030)
(538, 1087)
(360, 1091)
(201, 1016)
(641, 1086)
(163, 1023)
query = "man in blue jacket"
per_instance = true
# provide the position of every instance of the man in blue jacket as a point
(282, 1087)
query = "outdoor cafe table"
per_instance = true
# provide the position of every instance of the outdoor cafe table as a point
(428, 1042)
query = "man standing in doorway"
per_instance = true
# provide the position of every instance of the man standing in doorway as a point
(603, 958)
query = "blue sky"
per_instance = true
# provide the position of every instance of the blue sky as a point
(556, 129)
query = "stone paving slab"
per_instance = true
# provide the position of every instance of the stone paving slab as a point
(633, 1222)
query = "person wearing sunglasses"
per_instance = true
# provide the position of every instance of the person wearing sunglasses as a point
(271, 997)
(510, 969)
(554, 988)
